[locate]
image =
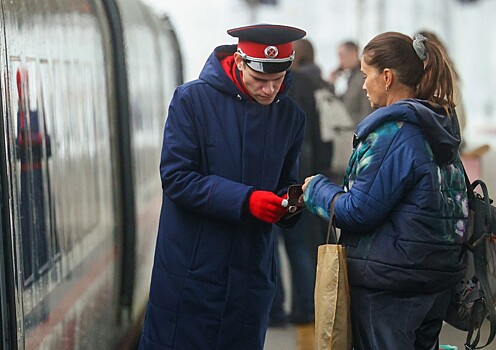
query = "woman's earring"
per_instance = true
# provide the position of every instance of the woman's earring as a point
(387, 88)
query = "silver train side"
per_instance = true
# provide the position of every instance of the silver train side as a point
(85, 86)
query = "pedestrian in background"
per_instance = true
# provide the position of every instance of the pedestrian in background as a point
(403, 208)
(302, 240)
(230, 151)
(347, 80)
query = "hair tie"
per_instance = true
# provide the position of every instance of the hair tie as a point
(419, 46)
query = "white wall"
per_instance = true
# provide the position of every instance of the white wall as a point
(466, 29)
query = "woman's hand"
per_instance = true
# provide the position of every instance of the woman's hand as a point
(307, 181)
(318, 192)
(303, 187)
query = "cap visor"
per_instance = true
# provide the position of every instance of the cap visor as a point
(267, 67)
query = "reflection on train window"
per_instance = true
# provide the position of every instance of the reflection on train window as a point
(147, 122)
(62, 170)
(46, 108)
(32, 151)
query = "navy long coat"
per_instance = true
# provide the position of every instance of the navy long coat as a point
(213, 278)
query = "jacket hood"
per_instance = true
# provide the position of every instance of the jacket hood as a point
(214, 75)
(441, 130)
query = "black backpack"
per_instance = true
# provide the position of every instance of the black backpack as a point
(474, 297)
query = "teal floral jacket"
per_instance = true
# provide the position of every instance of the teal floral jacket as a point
(404, 209)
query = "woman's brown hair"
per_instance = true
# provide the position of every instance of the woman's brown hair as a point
(430, 78)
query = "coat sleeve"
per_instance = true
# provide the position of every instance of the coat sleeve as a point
(289, 174)
(180, 169)
(384, 176)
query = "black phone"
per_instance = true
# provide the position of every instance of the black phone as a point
(294, 193)
(294, 205)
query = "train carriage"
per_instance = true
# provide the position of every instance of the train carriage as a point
(84, 91)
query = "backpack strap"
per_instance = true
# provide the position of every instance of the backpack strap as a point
(470, 189)
(476, 318)
(482, 229)
(480, 264)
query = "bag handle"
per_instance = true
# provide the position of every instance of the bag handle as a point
(332, 237)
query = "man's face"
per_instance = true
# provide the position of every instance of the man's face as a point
(348, 58)
(263, 87)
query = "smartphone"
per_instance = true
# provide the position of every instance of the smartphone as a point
(294, 193)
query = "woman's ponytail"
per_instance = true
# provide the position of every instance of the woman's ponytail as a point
(436, 84)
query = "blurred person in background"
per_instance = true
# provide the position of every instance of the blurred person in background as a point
(302, 240)
(231, 145)
(33, 148)
(403, 208)
(347, 80)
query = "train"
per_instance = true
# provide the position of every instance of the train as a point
(84, 91)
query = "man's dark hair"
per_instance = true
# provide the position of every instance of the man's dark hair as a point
(304, 52)
(350, 45)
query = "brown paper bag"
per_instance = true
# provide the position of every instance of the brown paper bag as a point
(332, 299)
(332, 295)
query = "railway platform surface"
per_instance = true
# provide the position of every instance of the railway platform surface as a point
(301, 337)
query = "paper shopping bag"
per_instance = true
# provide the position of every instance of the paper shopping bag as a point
(332, 299)
(332, 293)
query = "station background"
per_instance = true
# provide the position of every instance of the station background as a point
(466, 28)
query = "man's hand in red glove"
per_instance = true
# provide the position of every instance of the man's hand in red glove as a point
(267, 206)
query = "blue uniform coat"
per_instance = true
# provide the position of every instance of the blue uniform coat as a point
(213, 277)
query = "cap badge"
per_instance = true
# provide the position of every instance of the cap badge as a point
(271, 52)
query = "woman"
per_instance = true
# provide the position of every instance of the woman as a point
(403, 208)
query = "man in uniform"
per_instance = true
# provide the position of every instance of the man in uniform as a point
(230, 151)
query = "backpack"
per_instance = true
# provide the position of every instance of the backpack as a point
(474, 297)
(336, 126)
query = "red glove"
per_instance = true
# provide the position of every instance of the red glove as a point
(266, 206)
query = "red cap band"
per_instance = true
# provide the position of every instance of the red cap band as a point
(266, 52)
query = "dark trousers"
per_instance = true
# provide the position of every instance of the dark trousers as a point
(384, 320)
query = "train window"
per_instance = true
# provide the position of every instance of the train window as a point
(46, 109)
(61, 150)
(32, 143)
